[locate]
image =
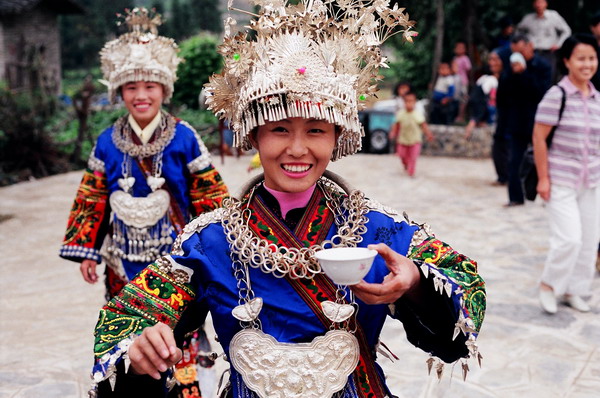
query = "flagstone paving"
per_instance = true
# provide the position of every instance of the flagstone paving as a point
(47, 312)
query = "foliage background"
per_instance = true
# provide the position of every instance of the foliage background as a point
(38, 135)
(413, 62)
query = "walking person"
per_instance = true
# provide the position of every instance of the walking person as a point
(408, 132)
(502, 137)
(520, 89)
(285, 326)
(569, 177)
(147, 175)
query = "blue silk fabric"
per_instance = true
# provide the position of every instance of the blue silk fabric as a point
(181, 150)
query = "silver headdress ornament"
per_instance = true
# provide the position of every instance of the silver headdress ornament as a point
(140, 54)
(314, 59)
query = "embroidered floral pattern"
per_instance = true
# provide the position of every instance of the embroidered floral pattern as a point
(460, 270)
(384, 234)
(86, 216)
(151, 297)
(207, 190)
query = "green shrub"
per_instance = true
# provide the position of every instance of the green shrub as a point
(26, 147)
(205, 124)
(201, 60)
(73, 79)
(64, 127)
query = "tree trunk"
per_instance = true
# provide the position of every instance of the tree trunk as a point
(81, 103)
(439, 42)
(470, 11)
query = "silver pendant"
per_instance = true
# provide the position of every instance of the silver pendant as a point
(140, 212)
(155, 182)
(337, 312)
(317, 369)
(126, 183)
(249, 311)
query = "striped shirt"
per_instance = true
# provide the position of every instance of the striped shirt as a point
(574, 158)
(545, 32)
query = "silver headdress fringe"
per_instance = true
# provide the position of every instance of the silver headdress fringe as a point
(315, 59)
(140, 55)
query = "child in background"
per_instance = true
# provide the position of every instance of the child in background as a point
(461, 66)
(408, 131)
(443, 106)
(400, 91)
(463, 63)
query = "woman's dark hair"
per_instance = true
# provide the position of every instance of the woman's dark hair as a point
(569, 45)
(595, 19)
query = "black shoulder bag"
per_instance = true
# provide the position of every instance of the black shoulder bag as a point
(527, 171)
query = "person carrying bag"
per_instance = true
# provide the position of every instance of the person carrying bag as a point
(569, 178)
(527, 170)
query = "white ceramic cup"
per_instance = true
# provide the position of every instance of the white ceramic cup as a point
(346, 265)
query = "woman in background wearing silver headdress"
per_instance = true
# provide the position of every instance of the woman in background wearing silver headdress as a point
(287, 329)
(147, 175)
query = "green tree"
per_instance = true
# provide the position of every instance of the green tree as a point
(82, 36)
(26, 146)
(206, 15)
(201, 60)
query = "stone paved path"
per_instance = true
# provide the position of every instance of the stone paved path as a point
(47, 312)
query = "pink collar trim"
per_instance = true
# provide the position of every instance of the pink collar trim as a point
(291, 200)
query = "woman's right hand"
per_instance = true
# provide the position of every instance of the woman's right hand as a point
(88, 270)
(154, 351)
(543, 188)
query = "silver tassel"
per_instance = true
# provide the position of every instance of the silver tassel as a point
(465, 370)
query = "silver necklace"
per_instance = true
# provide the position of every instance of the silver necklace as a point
(317, 369)
(122, 139)
(248, 249)
(122, 131)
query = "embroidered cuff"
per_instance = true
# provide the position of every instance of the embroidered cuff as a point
(106, 366)
(94, 163)
(79, 253)
(442, 325)
(200, 163)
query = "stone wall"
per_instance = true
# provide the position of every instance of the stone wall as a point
(450, 141)
(35, 30)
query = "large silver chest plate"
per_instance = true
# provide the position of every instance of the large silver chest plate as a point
(140, 212)
(304, 370)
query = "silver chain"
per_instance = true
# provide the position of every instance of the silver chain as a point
(121, 137)
(246, 249)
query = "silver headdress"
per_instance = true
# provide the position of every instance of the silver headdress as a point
(140, 54)
(315, 59)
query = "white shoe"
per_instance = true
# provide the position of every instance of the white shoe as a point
(548, 301)
(577, 303)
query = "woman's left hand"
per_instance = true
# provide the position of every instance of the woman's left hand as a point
(404, 278)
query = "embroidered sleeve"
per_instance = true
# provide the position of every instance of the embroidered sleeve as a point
(87, 222)
(448, 319)
(207, 189)
(160, 293)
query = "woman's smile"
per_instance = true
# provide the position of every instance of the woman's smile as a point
(294, 152)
